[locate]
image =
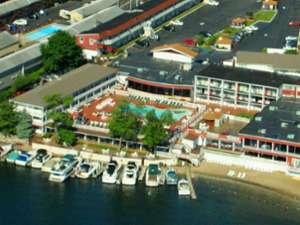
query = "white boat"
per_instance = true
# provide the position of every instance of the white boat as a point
(130, 174)
(171, 177)
(183, 187)
(110, 174)
(152, 175)
(49, 164)
(86, 169)
(63, 168)
(4, 150)
(41, 157)
(24, 158)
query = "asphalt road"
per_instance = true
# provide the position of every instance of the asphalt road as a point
(272, 35)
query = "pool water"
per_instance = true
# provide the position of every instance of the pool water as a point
(43, 32)
(142, 111)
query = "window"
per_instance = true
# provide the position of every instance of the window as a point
(80, 40)
(91, 41)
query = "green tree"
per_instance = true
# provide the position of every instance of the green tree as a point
(24, 128)
(167, 118)
(61, 53)
(66, 136)
(154, 132)
(124, 124)
(62, 121)
(8, 118)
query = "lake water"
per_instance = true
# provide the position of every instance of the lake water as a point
(28, 198)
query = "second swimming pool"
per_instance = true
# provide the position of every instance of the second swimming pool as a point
(43, 32)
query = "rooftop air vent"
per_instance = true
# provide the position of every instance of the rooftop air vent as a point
(284, 124)
(163, 73)
(262, 131)
(258, 118)
(291, 136)
(273, 108)
(140, 69)
(297, 113)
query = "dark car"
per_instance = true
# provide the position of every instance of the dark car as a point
(170, 28)
(143, 43)
(205, 34)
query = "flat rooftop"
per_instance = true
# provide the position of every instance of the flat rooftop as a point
(124, 17)
(142, 65)
(279, 120)
(67, 85)
(248, 76)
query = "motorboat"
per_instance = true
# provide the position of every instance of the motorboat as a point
(171, 177)
(86, 169)
(41, 157)
(110, 174)
(183, 187)
(12, 156)
(63, 168)
(130, 174)
(4, 150)
(153, 175)
(47, 167)
(24, 158)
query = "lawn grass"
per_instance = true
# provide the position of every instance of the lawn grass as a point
(264, 15)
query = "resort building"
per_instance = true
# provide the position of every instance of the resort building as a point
(8, 43)
(243, 88)
(83, 84)
(109, 36)
(275, 133)
(276, 63)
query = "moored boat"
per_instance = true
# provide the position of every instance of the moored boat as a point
(86, 169)
(152, 175)
(130, 174)
(171, 177)
(63, 168)
(110, 174)
(41, 157)
(49, 164)
(24, 158)
(12, 156)
(5, 149)
(183, 187)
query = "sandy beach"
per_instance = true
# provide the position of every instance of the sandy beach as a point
(275, 181)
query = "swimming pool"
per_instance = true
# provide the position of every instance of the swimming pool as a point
(43, 32)
(142, 111)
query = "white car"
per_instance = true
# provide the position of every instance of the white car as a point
(177, 23)
(254, 28)
(212, 2)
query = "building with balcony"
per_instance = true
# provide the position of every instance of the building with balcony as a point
(275, 133)
(241, 87)
(83, 84)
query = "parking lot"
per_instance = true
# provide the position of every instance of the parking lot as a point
(207, 18)
(272, 35)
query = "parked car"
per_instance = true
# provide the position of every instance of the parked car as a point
(170, 28)
(205, 34)
(143, 43)
(294, 24)
(212, 2)
(189, 42)
(176, 22)
(254, 28)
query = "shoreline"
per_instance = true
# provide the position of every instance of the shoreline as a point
(276, 182)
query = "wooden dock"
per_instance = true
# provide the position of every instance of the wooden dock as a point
(189, 178)
(162, 178)
(142, 173)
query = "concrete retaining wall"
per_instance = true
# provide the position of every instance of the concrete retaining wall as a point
(248, 162)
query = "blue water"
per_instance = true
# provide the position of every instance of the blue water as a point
(142, 111)
(28, 198)
(42, 32)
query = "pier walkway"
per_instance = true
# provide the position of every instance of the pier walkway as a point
(189, 178)
(142, 173)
